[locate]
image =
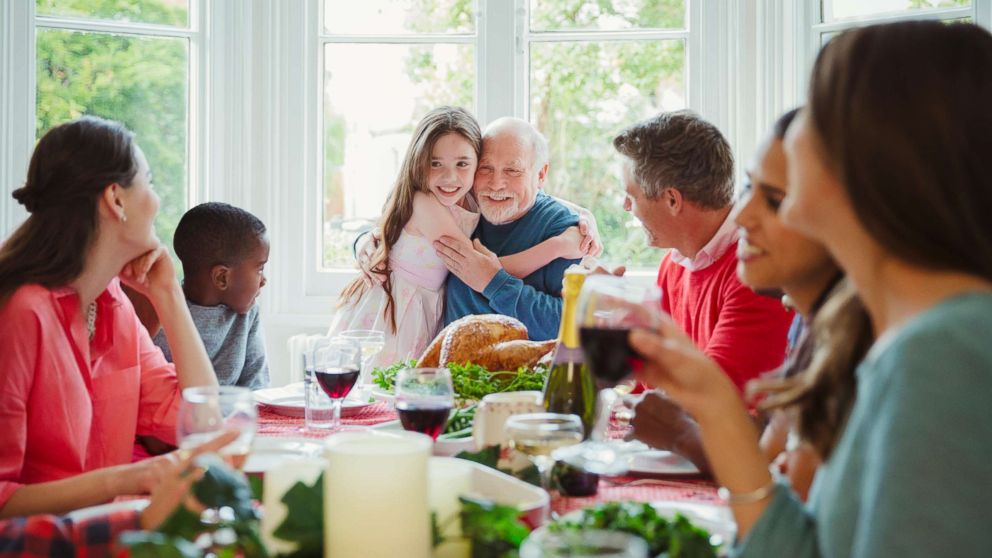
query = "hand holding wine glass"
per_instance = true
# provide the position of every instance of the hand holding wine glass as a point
(424, 399)
(608, 308)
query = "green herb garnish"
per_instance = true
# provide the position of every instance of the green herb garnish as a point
(673, 538)
(471, 381)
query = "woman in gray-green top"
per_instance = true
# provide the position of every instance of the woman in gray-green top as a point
(891, 167)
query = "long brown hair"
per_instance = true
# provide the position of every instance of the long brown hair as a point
(70, 168)
(820, 382)
(902, 115)
(823, 392)
(412, 178)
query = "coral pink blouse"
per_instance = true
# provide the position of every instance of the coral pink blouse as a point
(70, 405)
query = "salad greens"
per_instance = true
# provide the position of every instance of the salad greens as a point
(471, 381)
(671, 538)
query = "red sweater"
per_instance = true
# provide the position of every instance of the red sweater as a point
(745, 333)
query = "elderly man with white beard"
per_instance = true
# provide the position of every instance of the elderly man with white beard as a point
(516, 215)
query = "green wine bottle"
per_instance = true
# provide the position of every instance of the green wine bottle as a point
(570, 387)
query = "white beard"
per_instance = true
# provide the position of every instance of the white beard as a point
(501, 214)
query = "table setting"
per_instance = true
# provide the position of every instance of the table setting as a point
(449, 460)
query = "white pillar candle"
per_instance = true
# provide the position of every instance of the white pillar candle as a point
(449, 479)
(375, 495)
(277, 481)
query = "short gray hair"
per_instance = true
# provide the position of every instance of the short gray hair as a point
(680, 150)
(524, 130)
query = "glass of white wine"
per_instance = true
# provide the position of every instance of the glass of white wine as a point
(540, 435)
(207, 411)
(371, 341)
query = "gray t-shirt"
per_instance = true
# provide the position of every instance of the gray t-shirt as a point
(234, 343)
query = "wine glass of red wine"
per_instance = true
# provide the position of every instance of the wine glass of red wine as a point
(424, 398)
(608, 308)
(336, 366)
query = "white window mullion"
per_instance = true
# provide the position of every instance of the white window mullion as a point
(499, 85)
(17, 122)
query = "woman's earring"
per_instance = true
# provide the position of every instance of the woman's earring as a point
(123, 218)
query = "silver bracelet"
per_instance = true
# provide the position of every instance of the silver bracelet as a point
(751, 497)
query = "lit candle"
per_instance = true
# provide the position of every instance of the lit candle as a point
(277, 481)
(375, 495)
(449, 479)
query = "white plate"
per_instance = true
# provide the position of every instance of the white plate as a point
(269, 451)
(442, 447)
(103, 509)
(660, 462)
(289, 400)
(381, 394)
(717, 519)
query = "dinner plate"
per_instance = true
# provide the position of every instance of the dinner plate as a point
(660, 463)
(289, 400)
(269, 451)
(443, 447)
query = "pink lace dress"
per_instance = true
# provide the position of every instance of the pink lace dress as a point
(418, 276)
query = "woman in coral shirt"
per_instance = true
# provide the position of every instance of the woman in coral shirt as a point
(79, 376)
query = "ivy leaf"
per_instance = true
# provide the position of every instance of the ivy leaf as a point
(182, 523)
(488, 456)
(495, 530)
(304, 523)
(222, 486)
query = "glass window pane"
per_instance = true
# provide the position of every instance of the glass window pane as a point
(140, 82)
(608, 15)
(368, 120)
(162, 12)
(581, 95)
(399, 17)
(841, 9)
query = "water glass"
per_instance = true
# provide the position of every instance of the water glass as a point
(424, 399)
(331, 367)
(206, 411)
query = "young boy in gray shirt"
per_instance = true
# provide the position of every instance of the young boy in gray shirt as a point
(223, 250)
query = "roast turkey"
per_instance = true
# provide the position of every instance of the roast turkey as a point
(493, 341)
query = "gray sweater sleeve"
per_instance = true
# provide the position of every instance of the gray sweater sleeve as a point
(255, 373)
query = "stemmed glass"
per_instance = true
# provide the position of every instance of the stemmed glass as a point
(608, 308)
(207, 411)
(424, 398)
(333, 365)
(371, 342)
(540, 435)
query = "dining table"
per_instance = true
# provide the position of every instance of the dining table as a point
(657, 488)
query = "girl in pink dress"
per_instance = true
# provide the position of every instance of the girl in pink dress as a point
(430, 199)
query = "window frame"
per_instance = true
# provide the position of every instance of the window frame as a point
(194, 36)
(503, 61)
(816, 28)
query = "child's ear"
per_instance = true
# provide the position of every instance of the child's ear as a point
(220, 276)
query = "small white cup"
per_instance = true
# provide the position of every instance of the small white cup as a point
(495, 408)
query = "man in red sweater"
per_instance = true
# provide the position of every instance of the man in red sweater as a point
(678, 175)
